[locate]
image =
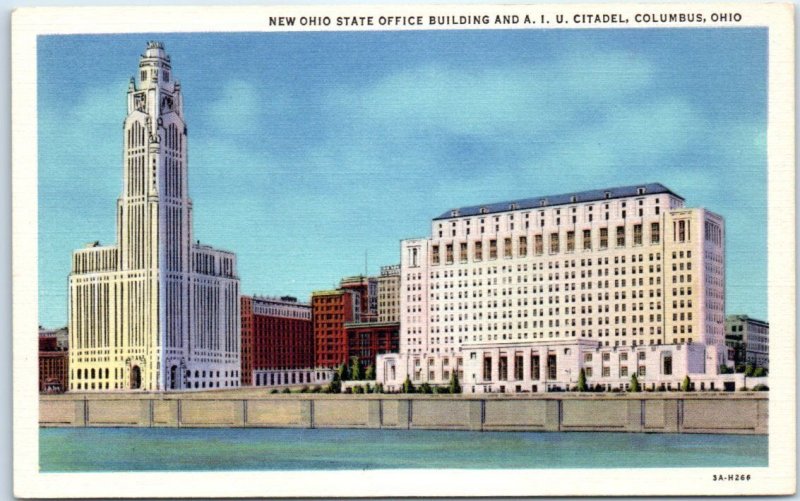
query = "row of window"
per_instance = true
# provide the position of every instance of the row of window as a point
(554, 246)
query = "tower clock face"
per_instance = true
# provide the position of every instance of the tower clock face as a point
(139, 102)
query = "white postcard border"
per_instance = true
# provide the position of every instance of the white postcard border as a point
(778, 478)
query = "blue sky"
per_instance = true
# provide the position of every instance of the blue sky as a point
(307, 150)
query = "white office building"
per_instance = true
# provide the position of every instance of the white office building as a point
(520, 296)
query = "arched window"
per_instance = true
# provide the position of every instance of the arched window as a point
(93, 374)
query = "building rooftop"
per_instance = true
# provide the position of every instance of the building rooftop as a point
(563, 199)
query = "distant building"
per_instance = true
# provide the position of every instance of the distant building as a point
(277, 335)
(389, 294)
(331, 310)
(367, 340)
(53, 365)
(748, 339)
(367, 287)
(61, 335)
(359, 319)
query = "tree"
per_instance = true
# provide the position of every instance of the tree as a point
(342, 372)
(724, 369)
(355, 371)
(370, 373)
(759, 372)
(582, 380)
(425, 388)
(634, 384)
(748, 370)
(686, 385)
(455, 385)
(408, 386)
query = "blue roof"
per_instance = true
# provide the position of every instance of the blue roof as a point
(563, 199)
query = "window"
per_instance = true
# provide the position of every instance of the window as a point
(503, 369)
(587, 239)
(570, 241)
(538, 245)
(588, 372)
(435, 254)
(606, 357)
(535, 366)
(637, 234)
(552, 368)
(667, 371)
(478, 251)
(523, 246)
(681, 231)
(493, 249)
(642, 355)
(587, 358)
(655, 233)
(606, 371)
(554, 245)
(507, 247)
(604, 238)
(487, 369)
(623, 371)
(449, 253)
(642, 370)
(620, 236)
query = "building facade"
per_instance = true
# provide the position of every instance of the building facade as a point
(367, 340)
(157, 310)
(53, 365)
(748, 339)
(389, 294)
(61, 335)
(621, 270)
(331, 310)
(277, 334)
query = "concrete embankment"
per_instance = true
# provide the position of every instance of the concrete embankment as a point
(652, 413)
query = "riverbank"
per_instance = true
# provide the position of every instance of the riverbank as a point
(712, 412)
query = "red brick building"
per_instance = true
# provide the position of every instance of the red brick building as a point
(277, 333)
(53, 366)
(368, 339)
(331, 310)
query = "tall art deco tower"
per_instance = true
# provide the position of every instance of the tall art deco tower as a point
(155, 311)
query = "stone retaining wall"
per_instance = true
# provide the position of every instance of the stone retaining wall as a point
(669, 413)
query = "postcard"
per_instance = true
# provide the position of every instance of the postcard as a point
(403, 250)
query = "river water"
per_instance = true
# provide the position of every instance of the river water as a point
(185, 449)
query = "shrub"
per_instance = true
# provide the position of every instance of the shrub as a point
(744, 388)
(370, 373)
(760, 387)
(273, 391)
(634, 388)
(748, 370)
(378, 388)
(368, 388)
(316, 389)
(408, 386)
(455, 385)
(355, 370)
(686, 384)
(348, 390)
(724, 369)
(582, 380)
(759, 372)
(286, 390)
(304, 389)
(425, 388)
(358, 389)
